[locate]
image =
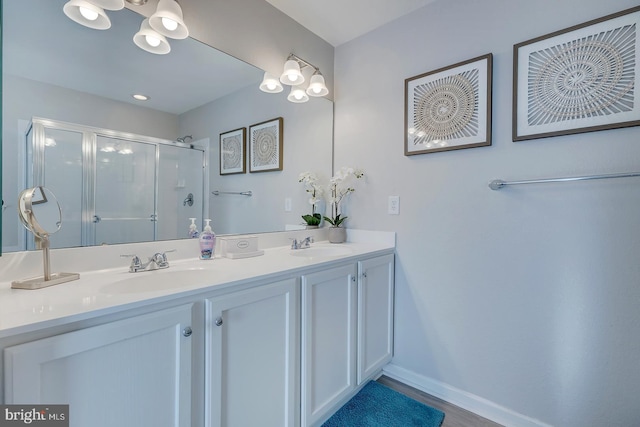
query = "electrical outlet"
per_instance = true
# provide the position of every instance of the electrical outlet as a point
(394, 205)
(287, 204)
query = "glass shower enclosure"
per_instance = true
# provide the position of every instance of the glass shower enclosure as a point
(115, 187)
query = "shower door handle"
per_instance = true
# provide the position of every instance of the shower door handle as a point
(96, 219)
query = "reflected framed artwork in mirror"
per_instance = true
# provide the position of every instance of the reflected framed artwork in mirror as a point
(266, 146)
(232, 152)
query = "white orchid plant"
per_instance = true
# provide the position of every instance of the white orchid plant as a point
(338, 189)
(313, 187)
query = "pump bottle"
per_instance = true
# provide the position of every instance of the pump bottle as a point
(207, 242)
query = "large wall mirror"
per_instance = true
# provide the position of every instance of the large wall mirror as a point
(56, 69)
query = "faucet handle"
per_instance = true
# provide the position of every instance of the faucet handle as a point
(160, 258)
(136, 264)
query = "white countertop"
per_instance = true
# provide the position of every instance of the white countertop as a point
(105, 291)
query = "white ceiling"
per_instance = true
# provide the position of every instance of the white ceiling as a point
(339, 21)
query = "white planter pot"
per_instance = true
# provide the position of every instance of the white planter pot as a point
(337, 234)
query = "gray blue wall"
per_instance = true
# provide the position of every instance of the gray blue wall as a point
(520, 304)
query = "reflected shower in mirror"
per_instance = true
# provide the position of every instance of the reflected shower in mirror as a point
(88, 77)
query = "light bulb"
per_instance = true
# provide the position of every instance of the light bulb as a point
(153, 41)
(271, 85)
(316, 89)
(298, 94)
(169, 24)
(292, 76)
(88, 14)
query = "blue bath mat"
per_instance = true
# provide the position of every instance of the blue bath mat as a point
(377, 405)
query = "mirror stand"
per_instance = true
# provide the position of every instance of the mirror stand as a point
(48, 279)
(48, 219)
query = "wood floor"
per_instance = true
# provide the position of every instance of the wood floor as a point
(453, 415)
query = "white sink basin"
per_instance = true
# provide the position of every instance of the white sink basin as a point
(158, 280)
(322, 251)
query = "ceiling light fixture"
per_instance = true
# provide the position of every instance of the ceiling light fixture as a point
(140, 97)
(292, 75)
(168, 20)
(150, 40)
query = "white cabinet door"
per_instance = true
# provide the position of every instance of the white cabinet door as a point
(134, 372)
(329, 341)
(252, 357)
(375, 315)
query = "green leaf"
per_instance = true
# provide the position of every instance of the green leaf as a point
(314, 219)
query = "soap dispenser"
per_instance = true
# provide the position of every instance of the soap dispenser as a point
(207, 242)
(193, 229)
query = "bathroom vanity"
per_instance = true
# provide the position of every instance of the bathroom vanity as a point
(282, 339)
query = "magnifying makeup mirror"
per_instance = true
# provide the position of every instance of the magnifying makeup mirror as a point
(40, 213)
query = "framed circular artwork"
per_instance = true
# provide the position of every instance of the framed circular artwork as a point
(580, 79)
(265, 146)
(232, 152)
(449, 108)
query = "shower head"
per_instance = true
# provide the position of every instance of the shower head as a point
(184, 139)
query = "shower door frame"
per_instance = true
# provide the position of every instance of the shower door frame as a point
(89, 146)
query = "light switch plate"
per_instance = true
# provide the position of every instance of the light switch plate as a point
(287, 204)
(394, 205)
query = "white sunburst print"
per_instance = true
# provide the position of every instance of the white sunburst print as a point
(583, 78)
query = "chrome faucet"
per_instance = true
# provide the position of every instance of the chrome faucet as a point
(156, 262)
(302, 244)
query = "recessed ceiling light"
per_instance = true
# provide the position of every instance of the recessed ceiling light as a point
(140, 97)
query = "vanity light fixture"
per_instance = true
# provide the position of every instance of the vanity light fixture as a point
(168, 20)
(270, 83)
(88, 13)
(297, 95)
(317, 87)
(292, 75)
(150, 40)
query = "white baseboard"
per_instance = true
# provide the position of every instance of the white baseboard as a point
(468, 401)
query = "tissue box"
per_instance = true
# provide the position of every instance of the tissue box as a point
(239, 246)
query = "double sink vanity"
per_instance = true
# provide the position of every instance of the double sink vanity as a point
(282, 339)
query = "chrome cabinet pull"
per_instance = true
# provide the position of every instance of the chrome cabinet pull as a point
(219, 321)
(187, 331)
